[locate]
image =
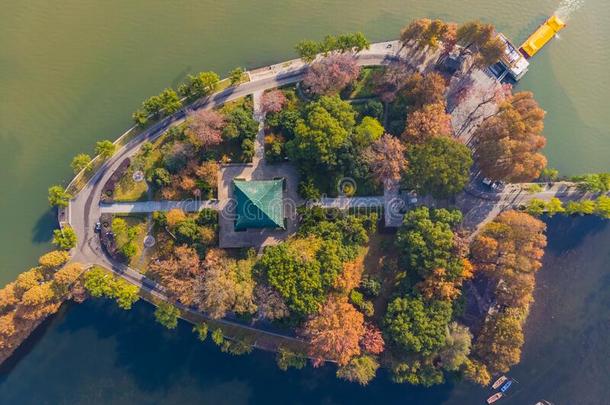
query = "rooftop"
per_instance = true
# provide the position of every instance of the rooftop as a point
(259, 204)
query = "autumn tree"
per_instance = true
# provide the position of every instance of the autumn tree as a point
(372, 340)
(509, 142)
(273, 101)
(420, 90)
(66, 276)
(269, 303)
(428, 122)
(476, 372)
(54, 259)
(331, 74)
(387, 160)
(335, 332)
(181, 275)
(204, 128)
(361, 369)
(393, 78)
(482, 40)
(439, 167)
(227, 285)
(425, 32)
(499, 342)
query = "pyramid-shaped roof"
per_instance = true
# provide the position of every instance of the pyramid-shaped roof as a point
(259, 204)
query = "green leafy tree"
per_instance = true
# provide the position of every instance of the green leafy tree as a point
(416, 326)
(602, 206)
(360, 369)
(58, 197)
(536, 207)
(64, 238)
(98, 283)
(80, 162)
(125, 237)
(140, 117)
(439, 167)
(595, 183)
(236, 75)
(456, 349)
(286, 359)
(417, 372)
(125, 294)
(167, 315)
(426, 241)
(105, 149)
(320, 135)
(368, 131)
(307, 50)
(554, 206)
(200, 85)
(586, 207)
(218, 337)
(201, 329)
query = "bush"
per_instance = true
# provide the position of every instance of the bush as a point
(358, 300)
(370, 286)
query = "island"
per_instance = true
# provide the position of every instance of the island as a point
(367, 205)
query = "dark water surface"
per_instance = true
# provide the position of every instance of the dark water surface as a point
(95, 353)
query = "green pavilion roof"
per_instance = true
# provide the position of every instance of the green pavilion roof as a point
(259, 204)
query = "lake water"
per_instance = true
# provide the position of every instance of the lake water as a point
(72, 72)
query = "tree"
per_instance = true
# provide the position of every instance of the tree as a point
(554, 206)
(269, 303)
(58, 197)
(476, 372)
(368, 131)
(428, 122)
(140, 117)
(199, 85)
(64, 238)
(236, 75)
(596, 183)
(372, 341)
(181, 275)
(387, 160)
(307, 50)
(457, 347)
(419, 90)
(482, 40)
(425, 32)
(54, 259)
(586, 207)
(536, 207)
(331, 74)
(80, 162)
(286, 359)
(125, 237)
(499, 342)
(204, 128)
(105, 149)
(67, 275)
(201, 329)
(227, 285)
(126, 294)
(335, 332)
(509, 142)
(325, 129)
(602, 206)
(167, 315)
(273, 101)
(417, 371)
(415, 326)
(360, 369)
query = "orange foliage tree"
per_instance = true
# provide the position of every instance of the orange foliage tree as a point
(335, 332)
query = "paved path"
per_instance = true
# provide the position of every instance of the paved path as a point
(351, 202)
(152, 206)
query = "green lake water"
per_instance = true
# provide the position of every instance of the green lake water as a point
(72, 72)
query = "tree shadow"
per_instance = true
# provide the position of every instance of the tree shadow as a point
(567, 233)
(43, 228)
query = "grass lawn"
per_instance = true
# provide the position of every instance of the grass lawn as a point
(364, 86)
(379, 262)
(129, 190)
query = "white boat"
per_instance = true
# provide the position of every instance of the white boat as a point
(499, 382)
(494, 397)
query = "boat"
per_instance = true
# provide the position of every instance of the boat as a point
(499, 382)
(494, 397)
(541, 36)
(543, 402)
(506, 386)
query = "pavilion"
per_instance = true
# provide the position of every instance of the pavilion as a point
(259, 204)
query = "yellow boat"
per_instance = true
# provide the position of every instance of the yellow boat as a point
(543, 34)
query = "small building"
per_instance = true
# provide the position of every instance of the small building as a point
(259, 204)
(512, 65)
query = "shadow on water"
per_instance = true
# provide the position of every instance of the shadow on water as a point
(42, 231)
(568, 233)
